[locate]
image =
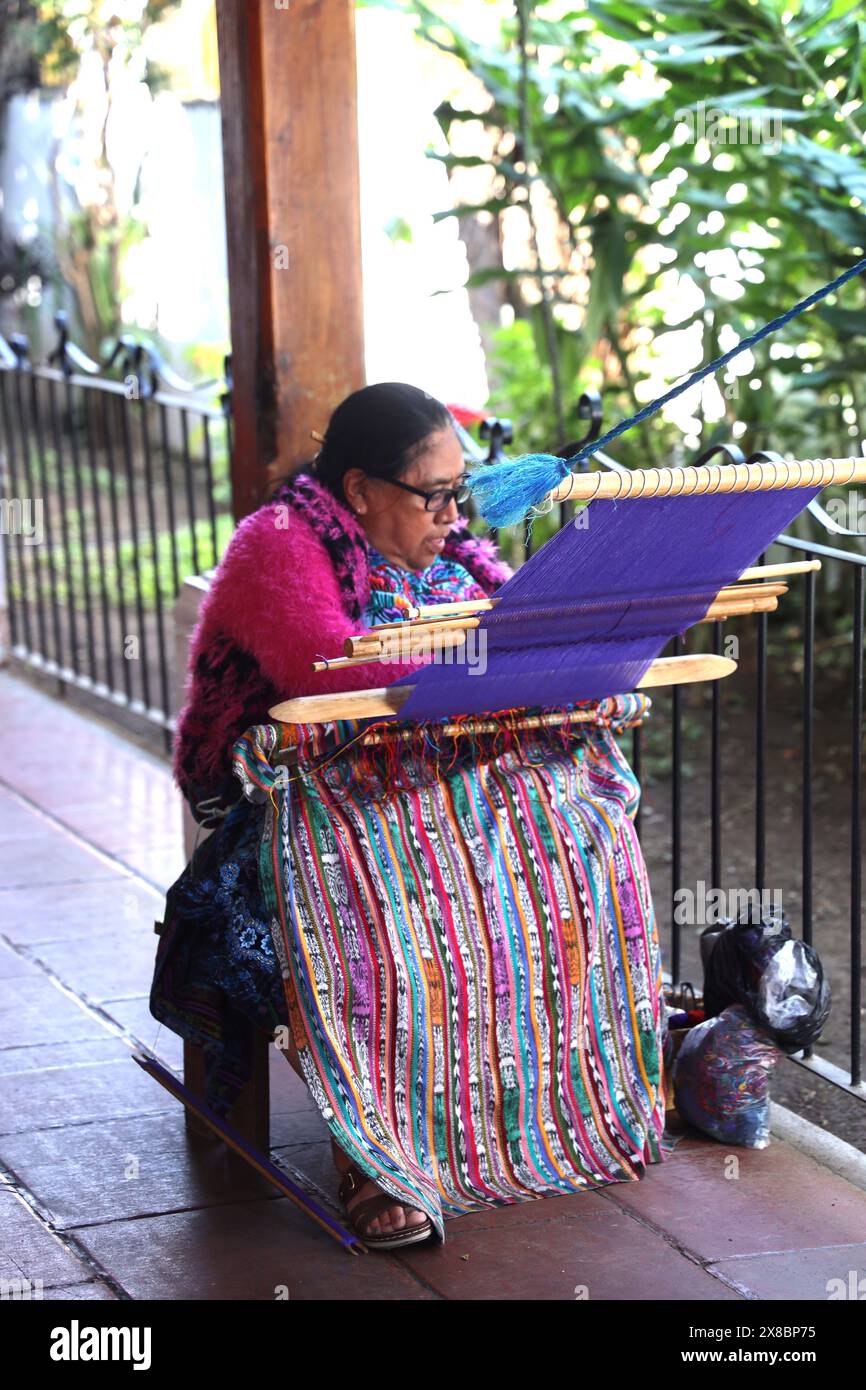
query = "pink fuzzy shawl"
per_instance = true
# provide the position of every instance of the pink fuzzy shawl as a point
(289, 589)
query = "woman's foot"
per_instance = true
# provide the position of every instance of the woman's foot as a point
(393, 1219)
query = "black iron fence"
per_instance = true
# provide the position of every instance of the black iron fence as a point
(840, 852)
(115, 486)
(133, 480)
(828, 848)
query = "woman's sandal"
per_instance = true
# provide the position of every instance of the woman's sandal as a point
(363, 1214)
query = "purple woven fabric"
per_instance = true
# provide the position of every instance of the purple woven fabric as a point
(587, 615)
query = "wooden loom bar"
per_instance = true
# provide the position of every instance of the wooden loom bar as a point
(736, 593)
(492, 726)
(786, 567)
(709, 478)
(390, 699)
(358, 642)
(460, 615)
(441, 641)
(446, 636)
(718, 611)
(464, 605)
(372, 641)
(482, 605)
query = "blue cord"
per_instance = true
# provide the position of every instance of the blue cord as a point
(713, 366)
(508, 491)
(505, 492)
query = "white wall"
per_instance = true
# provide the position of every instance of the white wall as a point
(178, 276)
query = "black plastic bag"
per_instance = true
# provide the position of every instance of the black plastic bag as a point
(779, 980)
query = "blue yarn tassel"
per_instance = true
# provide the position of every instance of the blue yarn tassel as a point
(505, 492)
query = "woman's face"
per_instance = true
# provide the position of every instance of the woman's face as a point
(395, 521)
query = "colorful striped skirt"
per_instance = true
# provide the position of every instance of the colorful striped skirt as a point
(469, 952)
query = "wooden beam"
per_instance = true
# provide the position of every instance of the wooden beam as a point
(292, 192)
(247, 240)
(390, 699)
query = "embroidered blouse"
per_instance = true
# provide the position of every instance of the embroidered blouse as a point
(394, 590)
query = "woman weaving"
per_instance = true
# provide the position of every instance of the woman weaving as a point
(487, 973)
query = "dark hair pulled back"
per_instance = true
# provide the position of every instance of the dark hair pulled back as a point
(380, 429)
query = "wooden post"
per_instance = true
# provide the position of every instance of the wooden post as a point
(290, 153)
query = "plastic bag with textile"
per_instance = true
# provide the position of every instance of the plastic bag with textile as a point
(778, 979)
(721, 1079)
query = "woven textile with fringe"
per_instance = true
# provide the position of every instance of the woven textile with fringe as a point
(468, 949)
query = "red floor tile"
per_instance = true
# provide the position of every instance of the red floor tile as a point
(74, 1083)
(833, 1273)
(256, 1250)
(135, 1018)
(78, 1293)
(117, 1170)
(596, 1254)
(15, 966)
(34, 1012)
(51, 912)
(116, 964)
(781, 1200)
(28, 1250)
(46, 857)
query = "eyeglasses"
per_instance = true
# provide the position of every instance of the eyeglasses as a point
(439, 498)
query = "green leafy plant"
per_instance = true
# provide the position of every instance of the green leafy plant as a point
(672, 178)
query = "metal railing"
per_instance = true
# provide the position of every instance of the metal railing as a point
(800, 649)
(857, 573)
(113, 491)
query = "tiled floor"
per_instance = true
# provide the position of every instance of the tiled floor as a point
(103, 1194)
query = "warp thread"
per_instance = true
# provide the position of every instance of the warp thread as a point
(411, 755)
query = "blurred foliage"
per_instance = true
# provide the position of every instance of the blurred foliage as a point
(64, 30)
(81, 559)
(54, 42)
(19, 66)
(701, 165)
(85, 568)
(22, 263)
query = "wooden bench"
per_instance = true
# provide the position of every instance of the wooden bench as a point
(251, 1114)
